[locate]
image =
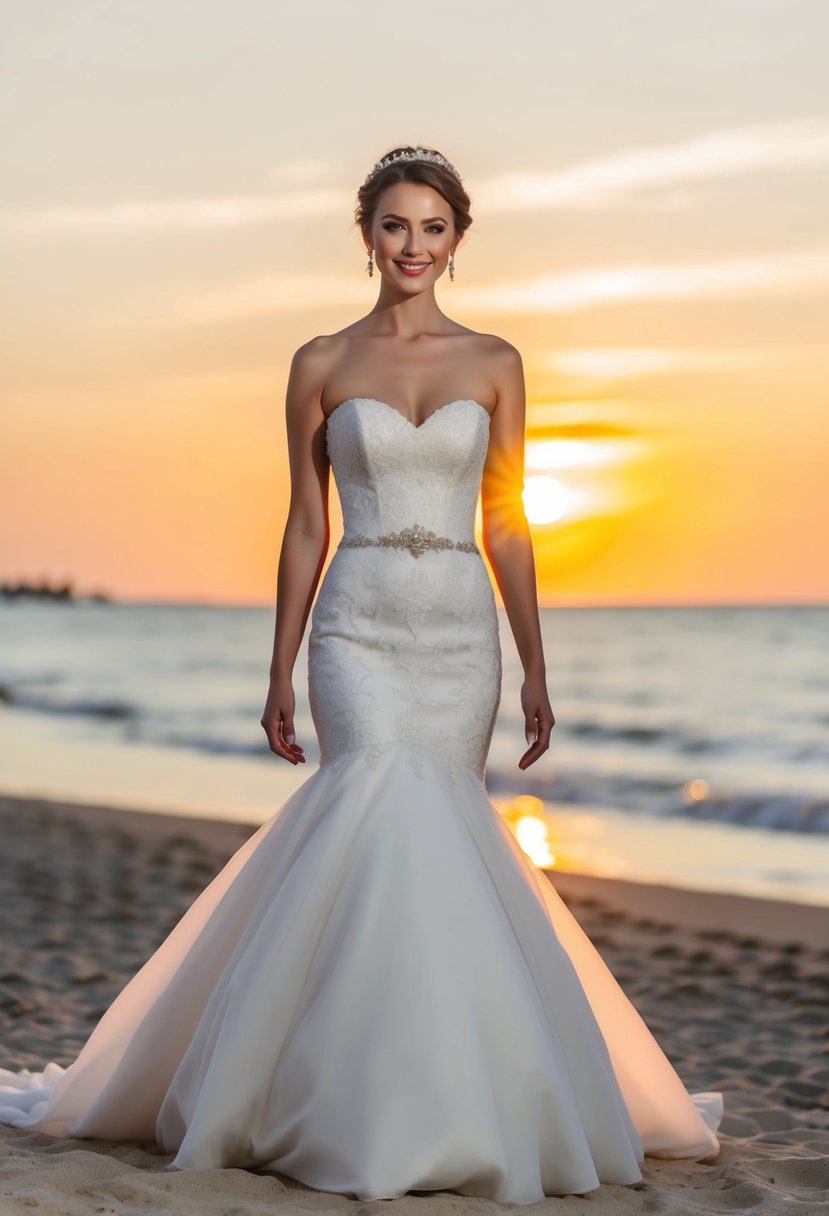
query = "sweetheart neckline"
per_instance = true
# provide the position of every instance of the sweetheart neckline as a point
(416, 426)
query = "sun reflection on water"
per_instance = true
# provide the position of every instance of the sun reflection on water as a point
(530, 829)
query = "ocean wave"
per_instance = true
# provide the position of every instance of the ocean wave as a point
(657, 796)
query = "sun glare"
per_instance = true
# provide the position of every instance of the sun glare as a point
(544, 498)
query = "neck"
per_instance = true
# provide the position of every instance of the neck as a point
(406, 316)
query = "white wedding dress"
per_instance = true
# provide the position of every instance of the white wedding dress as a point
(380, 992)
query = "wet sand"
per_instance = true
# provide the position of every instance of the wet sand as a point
(735, 990)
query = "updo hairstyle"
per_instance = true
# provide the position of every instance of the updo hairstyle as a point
(424, 172)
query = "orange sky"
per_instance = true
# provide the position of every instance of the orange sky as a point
(660, 256)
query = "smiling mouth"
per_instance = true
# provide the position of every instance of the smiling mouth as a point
(412, 267)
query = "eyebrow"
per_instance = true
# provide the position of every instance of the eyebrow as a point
(391, 216)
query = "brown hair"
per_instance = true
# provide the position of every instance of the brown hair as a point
(426, 173)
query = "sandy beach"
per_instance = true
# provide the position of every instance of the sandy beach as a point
(736, 991)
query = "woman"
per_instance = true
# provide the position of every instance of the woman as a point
(380, 992)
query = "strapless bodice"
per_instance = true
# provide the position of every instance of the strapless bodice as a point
(391, 474)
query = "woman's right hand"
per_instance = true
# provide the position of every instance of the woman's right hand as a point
(278, 721)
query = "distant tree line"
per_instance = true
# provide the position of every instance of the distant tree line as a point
(44, 590)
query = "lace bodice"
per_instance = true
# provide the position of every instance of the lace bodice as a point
(391, 474)
(404, 647)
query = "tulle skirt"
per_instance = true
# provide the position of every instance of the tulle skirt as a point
(380, 992)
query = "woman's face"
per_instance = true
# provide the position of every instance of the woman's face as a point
(413, 224)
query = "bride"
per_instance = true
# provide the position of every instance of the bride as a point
(380, 992)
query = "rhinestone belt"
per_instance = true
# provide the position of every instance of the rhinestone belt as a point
(416, 539)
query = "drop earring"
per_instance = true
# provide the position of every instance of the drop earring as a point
(370, 267)
(452, 267)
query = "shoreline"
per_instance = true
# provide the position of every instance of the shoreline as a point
(734, 988)
(773, 920)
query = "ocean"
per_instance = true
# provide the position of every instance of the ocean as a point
(691, 744)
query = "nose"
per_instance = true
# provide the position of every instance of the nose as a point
(410, 249)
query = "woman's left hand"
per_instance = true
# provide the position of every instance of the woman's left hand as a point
(539, 719)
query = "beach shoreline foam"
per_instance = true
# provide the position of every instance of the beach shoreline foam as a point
(735, 989)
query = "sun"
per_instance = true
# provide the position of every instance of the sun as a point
(544, 498)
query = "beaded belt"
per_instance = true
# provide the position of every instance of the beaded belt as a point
(416, 539)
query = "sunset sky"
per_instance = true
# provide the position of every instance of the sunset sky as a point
(650, 194)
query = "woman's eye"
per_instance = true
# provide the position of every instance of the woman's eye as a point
(393, 224)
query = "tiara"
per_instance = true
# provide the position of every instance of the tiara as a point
(418, 154)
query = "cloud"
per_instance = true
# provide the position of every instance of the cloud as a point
(241, 211)
(636, 174)
(620, 362)
(721, 154)
(769, 274)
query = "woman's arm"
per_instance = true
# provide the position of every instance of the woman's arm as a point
(304, 544)
(508, 545)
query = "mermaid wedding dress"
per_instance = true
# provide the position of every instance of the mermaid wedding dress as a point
(380, 992)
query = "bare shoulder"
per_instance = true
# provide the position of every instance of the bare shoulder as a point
(503, 353)
(330, 345)
(500, 353)
(316, 352)
(504, 365)
(311, 365)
